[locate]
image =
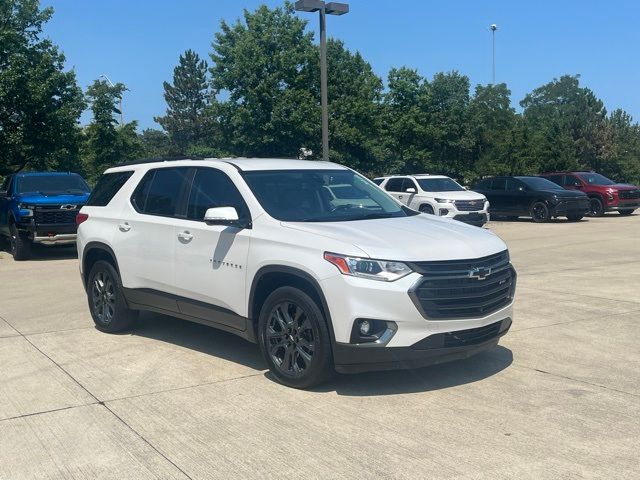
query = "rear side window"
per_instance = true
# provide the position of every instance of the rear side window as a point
(378, 181)
(394, 185)
(212, 188)
(483, 184)
(107, 187)
(557, 179)
(159, 191)
(499, 184)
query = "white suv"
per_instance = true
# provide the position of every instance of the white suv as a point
(271, 250)
(437, 195)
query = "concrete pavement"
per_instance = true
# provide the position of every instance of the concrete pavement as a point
(559, 398)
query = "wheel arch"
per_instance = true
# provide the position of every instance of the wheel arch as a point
(94, 251)
(270, 277)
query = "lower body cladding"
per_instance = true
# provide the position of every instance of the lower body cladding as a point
(624, 206)
(410, 340)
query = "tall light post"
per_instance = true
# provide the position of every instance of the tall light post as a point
(493, 27)
(324, 8)
(119, 99)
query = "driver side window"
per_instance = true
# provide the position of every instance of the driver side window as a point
(213, 188)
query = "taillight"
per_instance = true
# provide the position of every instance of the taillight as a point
(81, 217)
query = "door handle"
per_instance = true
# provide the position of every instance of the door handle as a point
(185, 237)
(124, 227)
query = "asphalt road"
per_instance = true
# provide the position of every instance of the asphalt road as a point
(559, 398)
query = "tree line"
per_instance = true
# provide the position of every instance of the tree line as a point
(258, 95)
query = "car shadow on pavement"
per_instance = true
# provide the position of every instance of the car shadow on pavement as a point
(45, 252)
(200, 338)
(435, 377)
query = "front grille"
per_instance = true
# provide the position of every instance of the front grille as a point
(469, 205)
(52, 214)
(464, 288)
(628, 194)
(463, 338)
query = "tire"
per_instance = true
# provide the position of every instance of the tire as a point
(540, 212)
(20, 245)
(574, 218)
(426, 209)
(596, 207)
(294, 339)
(107, 304)
(626, 212)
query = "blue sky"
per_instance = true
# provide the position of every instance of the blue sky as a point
(138, 42)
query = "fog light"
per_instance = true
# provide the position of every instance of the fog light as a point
(443, 212)
(365, 327)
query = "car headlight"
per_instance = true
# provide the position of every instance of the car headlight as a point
(25, 210)
(382, 270)
(444, 200)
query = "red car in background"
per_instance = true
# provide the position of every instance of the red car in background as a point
(605, 195)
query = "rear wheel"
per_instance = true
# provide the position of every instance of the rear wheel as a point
(626, 212)
(540, 212)
(20, 244)
(294, 338)
(426, 209)
(106, 299)
(596, 207)
(574, 218)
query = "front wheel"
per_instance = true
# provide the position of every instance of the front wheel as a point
(294, 338)
(107, 304)
(626, 212)
(20, 244)
(540, 212)
(574, 218)
(596, 207)
(426, 209)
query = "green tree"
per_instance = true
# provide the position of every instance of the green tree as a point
(562, 110)
(155, 143)
(40, 102)
(262, 65)
(187, 99)
(106, 143)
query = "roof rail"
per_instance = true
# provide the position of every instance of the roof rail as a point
(164, 158)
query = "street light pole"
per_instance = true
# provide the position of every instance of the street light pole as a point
(119, 99)
(331, 8)
(493, 28)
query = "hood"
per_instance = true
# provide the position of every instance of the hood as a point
(39, 199)
(417, 238)
(622, 186)
(458, 195)
(565, 193)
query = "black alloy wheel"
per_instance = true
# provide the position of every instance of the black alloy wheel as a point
(19, 244)
(294, 338)
(290, 339)
(103, 297)
(427, 209)
(107, 304)
(540, 212)
(596, 207)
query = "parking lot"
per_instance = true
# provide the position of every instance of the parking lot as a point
(559, 398)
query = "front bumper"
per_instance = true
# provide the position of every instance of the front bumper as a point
(624, 206)
(434, 349)
(50, 234)
(471, 217)
(563, 209)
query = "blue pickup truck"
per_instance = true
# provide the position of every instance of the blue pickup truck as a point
(40, 207)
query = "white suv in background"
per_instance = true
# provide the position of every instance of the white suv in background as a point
(437, 195)
(308, 259)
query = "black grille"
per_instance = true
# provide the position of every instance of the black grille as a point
(463, 338)
(469, 205)
(628, 194)
(464, 288)
(54, 214)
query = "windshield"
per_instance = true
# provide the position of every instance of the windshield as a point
(596, 179)
(321, 196)
(52, 185)
(439, 185)
(539, 183)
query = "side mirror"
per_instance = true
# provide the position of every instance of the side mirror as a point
(410, 190)
(221, 216)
